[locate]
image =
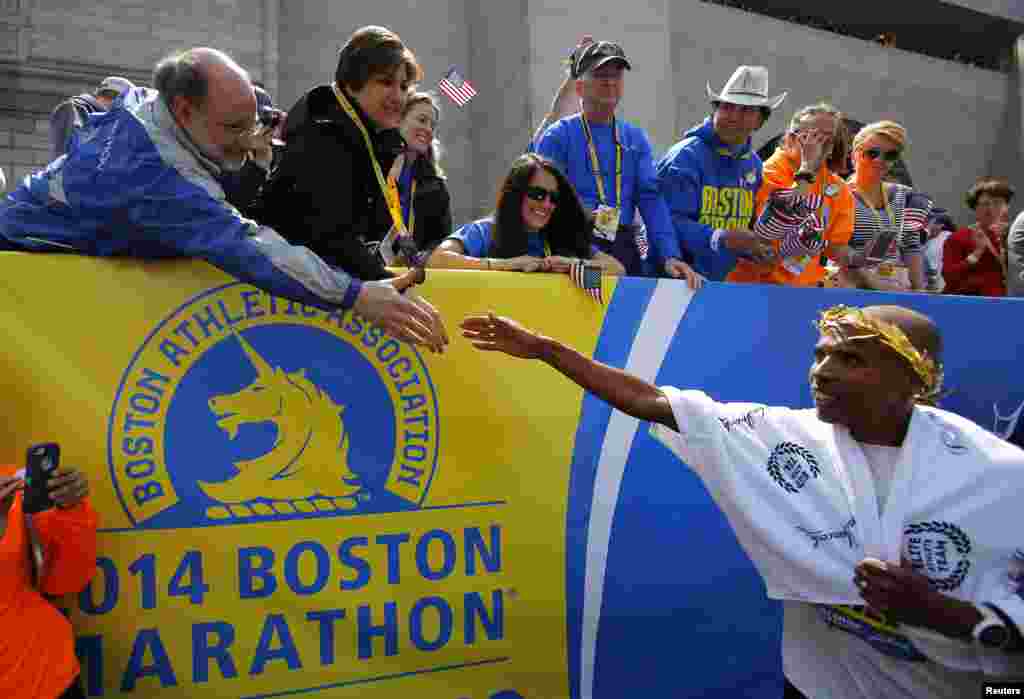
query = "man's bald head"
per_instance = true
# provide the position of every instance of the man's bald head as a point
(919, 328)
(194, 73)
(211, 98)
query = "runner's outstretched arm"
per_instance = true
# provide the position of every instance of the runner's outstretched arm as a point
(622, 390)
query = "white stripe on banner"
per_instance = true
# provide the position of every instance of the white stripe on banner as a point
(667, 307)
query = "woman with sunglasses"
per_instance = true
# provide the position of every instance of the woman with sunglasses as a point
(539, 225)
(890, 219)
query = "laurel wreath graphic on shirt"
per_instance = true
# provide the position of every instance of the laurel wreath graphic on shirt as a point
(778, 456)
(963, 546)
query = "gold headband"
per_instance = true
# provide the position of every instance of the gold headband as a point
(926, 368)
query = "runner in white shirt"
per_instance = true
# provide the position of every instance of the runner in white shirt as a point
(881, 522)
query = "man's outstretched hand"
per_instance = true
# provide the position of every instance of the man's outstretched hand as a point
(493, 333)
(391, 304)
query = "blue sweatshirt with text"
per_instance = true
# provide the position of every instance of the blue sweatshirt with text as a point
(707, 185)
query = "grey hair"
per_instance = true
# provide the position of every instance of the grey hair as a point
(184, 74)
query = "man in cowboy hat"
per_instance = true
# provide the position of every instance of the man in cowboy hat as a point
(711, 177)
(609, 161)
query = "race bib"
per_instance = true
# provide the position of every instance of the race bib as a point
(606, 223)
(876, 631)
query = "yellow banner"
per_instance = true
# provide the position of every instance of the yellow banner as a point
(291, 501)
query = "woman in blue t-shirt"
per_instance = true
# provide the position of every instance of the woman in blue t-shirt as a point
(539, 225)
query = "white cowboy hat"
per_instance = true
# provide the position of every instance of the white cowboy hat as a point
(748, 86)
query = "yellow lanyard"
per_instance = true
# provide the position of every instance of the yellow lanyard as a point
(388, 187)
(596, 165)
(412, 208)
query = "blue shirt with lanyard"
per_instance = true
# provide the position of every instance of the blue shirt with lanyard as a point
(566, 143)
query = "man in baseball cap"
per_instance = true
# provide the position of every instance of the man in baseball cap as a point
(597, 54)
(72, 114)
(608, 161)
(710, 179)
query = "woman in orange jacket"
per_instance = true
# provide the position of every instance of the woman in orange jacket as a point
(37, 649)
(804, 208)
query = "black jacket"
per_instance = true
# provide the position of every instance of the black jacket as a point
(324, 193)
(432, 205)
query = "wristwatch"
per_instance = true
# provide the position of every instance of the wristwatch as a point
(991, 632)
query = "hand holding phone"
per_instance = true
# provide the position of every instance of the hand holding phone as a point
(40, 462)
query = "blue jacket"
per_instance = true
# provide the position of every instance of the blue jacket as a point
(134, 184)
(707, 185)
(565, 143)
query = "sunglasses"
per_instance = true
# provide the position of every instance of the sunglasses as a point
(889, 156)
(540, 194)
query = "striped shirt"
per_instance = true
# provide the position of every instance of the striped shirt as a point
(906, 215)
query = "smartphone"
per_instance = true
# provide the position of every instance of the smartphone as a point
(41, 460)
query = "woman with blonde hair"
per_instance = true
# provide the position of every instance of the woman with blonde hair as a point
(422, 189)
(890, 218)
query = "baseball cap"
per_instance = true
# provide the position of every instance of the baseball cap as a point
(597, 54)
(115, 85)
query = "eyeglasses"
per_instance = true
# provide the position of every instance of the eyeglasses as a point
(540, 194)
(889, 156)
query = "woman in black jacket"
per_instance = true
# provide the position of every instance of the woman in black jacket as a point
(418, 173)
(330, 191)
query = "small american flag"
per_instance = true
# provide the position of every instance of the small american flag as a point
(643, 245)
(458, 89)
(588, 278)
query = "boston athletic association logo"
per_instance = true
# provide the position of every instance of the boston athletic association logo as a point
(939, 550)
(791, 466)
(242, 407)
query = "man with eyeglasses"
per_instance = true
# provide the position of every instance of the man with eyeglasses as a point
(144, 184)
(609, 161)
(711, 177)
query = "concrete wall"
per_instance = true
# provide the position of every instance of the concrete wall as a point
(50, 49)
(960, 119)
(963, 121)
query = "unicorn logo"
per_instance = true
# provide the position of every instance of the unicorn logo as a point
(241, 407)
(1003, 426)
(307, 466)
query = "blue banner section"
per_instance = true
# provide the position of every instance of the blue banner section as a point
(683, 611)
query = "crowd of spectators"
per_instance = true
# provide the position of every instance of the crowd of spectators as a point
(321, 203)
(594, 194)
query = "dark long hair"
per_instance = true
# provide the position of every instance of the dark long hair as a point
(569, 230)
